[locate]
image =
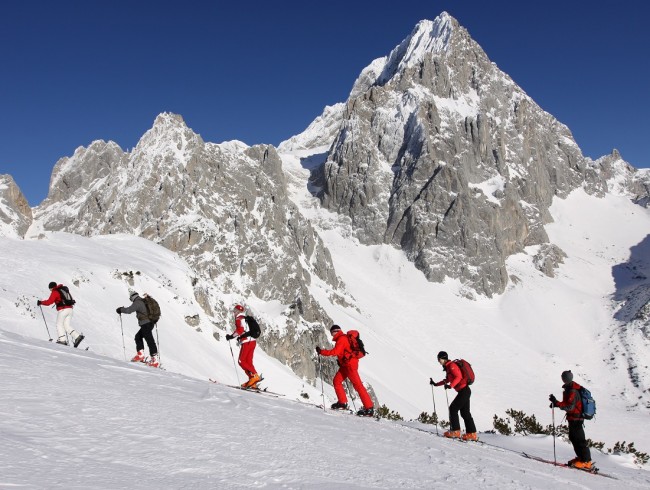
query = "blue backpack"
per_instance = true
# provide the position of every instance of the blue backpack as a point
(588, 403)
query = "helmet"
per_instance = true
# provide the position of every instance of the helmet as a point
(239, 308)
(52, 285)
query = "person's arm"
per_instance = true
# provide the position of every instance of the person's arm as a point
(55, 297)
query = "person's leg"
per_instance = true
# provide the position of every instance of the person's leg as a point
(147, 334)
(353, 376)
(339, 377)
(60, 328)
(470, 427)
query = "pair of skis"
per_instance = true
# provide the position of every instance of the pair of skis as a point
(263, 391)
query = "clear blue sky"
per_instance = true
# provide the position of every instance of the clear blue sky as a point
(260, 71)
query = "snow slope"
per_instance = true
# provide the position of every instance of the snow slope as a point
(74, 419)
(519, 342)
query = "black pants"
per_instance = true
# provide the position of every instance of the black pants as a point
(461, 403)
(579, 441)
(146, 333)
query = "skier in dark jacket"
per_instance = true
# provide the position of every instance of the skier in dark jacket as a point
(145, 332)
(572, 404)
(455, 380)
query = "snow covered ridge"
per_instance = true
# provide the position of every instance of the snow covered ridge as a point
(15, 213)
(76, 419)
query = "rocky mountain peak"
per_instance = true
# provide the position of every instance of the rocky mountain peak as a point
(15, 213)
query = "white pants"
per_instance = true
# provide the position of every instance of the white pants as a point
(63, 319)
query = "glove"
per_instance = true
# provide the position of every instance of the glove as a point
(118, 310)
(318, 349)
(432, 382)
(553, 400)
(229, 337)
(38, 303)
(447, 387)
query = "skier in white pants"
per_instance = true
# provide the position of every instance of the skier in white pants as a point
(63, 317)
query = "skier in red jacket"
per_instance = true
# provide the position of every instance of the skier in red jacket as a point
(348, 369)
(455, 380)
(572, 404)
(63, 316)
(247, 347)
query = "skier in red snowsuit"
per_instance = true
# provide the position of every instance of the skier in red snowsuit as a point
(348, 369)
(247, 345)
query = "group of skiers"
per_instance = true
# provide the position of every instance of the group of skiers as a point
(348, 362)
(61, 298)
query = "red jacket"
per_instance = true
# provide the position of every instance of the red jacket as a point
(571, 402)
(241, 326)
(454, 377)
(341, 348)
(55, 298)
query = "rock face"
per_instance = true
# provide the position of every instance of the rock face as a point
(223, 208)
(15, 213)
(443, 155)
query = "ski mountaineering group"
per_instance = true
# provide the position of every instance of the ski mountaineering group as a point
(348, 349)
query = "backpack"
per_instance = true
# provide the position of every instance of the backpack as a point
(356, 344)
(253, 327)
(153, 308)
(588, 403)
(466, 370)
(66, 297)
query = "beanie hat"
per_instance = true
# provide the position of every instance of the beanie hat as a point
(443, 355)
(51, 285)
(334, 329)
(567, 376)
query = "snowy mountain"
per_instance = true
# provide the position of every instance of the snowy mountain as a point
(442, 155)
(439, 208)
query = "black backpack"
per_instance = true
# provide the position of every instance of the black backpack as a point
(254, 329)
(153, 308)
(66, 297)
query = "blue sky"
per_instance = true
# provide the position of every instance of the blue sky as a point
(260, 71)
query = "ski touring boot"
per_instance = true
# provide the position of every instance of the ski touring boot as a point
(366, 412)
(154, 361)
(452, 434)
(251, 384)
(139, 357)
(78, 340)
(470, 436)
(339, 406)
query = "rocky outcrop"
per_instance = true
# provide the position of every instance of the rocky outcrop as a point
(223, 208)
(15, 213)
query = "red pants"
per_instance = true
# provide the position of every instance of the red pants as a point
(350, 371)
(246, 357)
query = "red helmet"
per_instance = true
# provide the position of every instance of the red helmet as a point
(238, 308)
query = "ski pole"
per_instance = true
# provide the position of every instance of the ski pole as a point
(434, 408)
(48, 330)
(322, 386)
(553, 416)
(158, 342)
(233, 361)
(122, 328)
